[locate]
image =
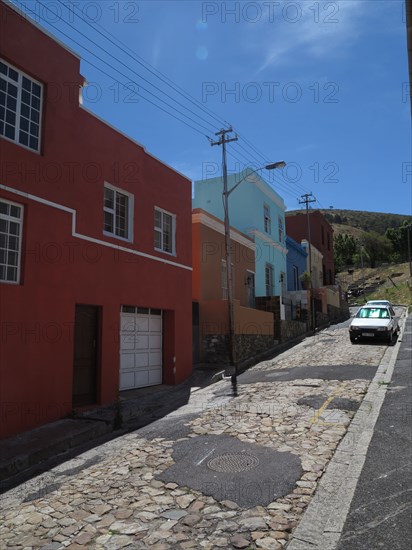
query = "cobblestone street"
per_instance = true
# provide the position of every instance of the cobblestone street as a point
(124, 493)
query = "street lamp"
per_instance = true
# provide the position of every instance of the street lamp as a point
(273, 166)
(225, 196)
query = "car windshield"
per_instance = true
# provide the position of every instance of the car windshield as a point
(373, 313)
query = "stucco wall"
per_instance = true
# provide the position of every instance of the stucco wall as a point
(321, 233)
(296, 257)
(208, 250)
(246, 213)
(68, 261)
(214, 319)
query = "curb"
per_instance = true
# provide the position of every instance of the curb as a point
(324, 519)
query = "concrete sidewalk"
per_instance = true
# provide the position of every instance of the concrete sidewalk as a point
(364, 498)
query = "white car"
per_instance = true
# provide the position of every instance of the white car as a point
(374, 323)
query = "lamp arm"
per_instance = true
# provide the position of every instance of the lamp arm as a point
(239, 182)
(280, 164)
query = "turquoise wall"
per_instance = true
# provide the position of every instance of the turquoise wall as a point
(245, 214)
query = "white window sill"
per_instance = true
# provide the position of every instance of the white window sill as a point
(164, 252)
(113, 236)
(26, 147)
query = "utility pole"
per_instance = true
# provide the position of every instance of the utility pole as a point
(306, 199)
(232, 359)
(409, 245)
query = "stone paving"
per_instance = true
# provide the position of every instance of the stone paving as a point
(117, 501)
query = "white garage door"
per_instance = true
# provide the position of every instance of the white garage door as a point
(140, 347)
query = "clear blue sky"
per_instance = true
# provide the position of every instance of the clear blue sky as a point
(322, 85)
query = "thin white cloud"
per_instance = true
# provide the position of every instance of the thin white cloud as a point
(315, 34)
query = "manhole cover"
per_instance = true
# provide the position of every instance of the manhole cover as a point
(233, 463)
(225, 468)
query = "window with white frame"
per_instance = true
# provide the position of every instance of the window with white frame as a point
(266, 218)
(281, 229)
(20, 107)
(164, 231)
(11, 225)
(118, 213)
(269, 279)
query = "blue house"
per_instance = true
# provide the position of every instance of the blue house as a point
(257, 210)
(296, 263)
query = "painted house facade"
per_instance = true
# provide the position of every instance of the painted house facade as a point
(296, 263)
(321, 235)
(253, 329)
(95, 250)
(258, 211)
(317, 263)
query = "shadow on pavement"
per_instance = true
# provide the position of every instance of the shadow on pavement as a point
(36, 451)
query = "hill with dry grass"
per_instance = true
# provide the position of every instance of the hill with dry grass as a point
(386, 282)
(389, 281)
(362, 222)
(359, 222)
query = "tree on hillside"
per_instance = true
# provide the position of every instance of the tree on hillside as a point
(399, 239)
(367, 221)
(375, 248)
(345, 247)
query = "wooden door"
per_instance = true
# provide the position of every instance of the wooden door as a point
(86, 332)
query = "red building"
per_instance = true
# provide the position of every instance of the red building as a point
(321, 236)
(95, 245)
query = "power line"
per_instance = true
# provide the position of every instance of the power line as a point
(285, 186)
(246, 151)
(118, 44)
(125, 51)
(148, 100)
(278, 178)
(158, 74)
(124, 75)
(165, 80)
(265, 159)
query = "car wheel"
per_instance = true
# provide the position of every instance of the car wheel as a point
(390, 337)
(353, 339)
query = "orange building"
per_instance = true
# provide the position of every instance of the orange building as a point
(253, 329)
